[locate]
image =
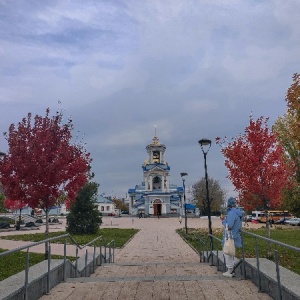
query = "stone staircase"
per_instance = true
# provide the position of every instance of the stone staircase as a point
(151, 280)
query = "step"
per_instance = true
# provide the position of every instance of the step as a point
(152, 271)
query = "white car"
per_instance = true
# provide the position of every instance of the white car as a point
(248, 218)
(293, 222)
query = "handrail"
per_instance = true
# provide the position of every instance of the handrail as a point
(276, 255)
(49, 240)
(257, 256)
(89, 243)
(211, 236)
(216, 238)
(201, 241)
(110, 259)
(272, 241)
(33, 244)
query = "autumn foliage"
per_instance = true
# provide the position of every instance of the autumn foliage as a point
(42, 162)
(14, 205)
(287, 128)
(256, 165)
(293, 110)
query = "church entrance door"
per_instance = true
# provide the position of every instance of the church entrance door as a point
(157, 207)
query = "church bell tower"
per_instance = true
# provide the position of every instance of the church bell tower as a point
(156, 170)
(155, 196)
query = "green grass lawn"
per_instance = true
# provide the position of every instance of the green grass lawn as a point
(16, 261)
(120, 236)
(287, 258)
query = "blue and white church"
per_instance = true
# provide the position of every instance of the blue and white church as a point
(155, 196)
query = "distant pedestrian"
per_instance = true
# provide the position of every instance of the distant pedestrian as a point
(233, 221)
(180, 220)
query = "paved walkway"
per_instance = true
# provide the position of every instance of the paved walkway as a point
(155, 264)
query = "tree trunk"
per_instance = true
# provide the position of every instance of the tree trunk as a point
(18, 225)
(47, 235)
(268, 234)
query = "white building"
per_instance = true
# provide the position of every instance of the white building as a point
(105, 206)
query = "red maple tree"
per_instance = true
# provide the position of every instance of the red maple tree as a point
(42, 162)
(14, 205)
(257, 167)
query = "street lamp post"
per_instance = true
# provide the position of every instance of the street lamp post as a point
(205, 146)
(183, 175)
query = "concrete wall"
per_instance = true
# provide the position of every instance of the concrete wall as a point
(12, 288)
(266, 277)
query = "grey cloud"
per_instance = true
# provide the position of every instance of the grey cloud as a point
(119, 68)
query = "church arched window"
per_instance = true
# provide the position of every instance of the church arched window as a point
(156, 183)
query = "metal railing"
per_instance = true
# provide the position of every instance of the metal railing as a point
(107, 256)
(275, 244)
(206, 247)
(203, 249)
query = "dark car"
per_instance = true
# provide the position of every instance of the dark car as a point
(248, 218)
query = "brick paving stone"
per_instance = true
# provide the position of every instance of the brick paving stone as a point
(156, 264)
(128, 290)
(61, 291)
(111, 290)
(97, 292)
(161, 290)
(192, 290)
(210, 290)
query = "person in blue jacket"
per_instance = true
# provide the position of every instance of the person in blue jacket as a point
(233, 220)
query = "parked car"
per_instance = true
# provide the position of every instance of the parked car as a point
(282, 221)
(293, 222)
(248, 218)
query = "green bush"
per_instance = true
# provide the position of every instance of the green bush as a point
(84, 216)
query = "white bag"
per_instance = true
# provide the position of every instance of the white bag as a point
(228, 247)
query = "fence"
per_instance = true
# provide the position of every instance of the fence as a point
(269, 270)
(106, 254)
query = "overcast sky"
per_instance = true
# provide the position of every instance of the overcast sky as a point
(196, 69)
